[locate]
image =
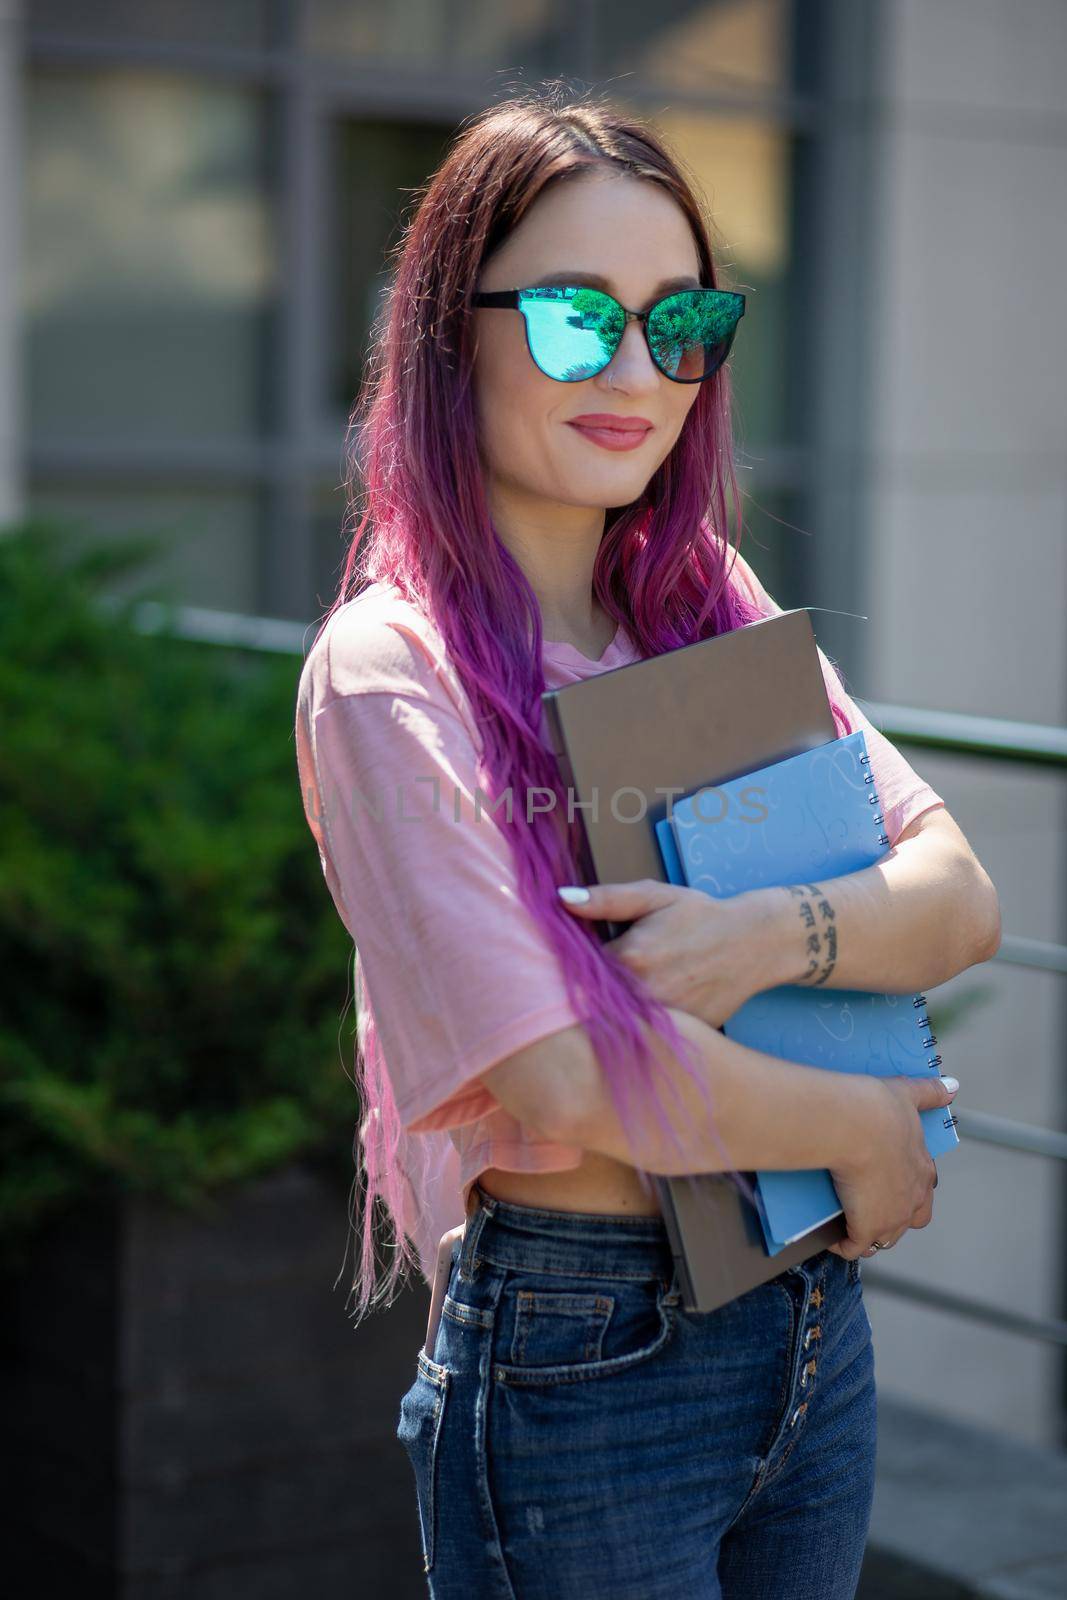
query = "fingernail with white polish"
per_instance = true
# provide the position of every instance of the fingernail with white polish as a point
(573, 895)
(951, 1084)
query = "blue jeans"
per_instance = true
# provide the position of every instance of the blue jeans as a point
(578, 1433)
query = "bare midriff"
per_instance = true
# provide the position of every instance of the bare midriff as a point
(599, 1184)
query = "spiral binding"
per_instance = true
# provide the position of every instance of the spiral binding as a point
(934, 1061)
(872, 800)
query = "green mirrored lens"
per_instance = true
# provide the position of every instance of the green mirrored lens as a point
(690, 333)
(572, 332)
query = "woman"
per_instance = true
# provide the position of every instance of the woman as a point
(573, 1431)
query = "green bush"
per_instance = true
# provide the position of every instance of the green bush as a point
(174, 1011)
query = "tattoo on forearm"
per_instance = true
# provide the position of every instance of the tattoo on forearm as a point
(817, 918)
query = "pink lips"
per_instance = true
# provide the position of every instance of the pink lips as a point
(612, 432)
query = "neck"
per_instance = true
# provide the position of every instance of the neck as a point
(556, 553)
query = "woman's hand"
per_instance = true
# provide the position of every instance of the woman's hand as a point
(887, 1185)
(702, 955)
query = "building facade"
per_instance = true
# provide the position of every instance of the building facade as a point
(195, 205)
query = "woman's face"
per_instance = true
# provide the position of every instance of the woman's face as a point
(631, 233)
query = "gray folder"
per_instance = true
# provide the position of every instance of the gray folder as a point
(699, 715)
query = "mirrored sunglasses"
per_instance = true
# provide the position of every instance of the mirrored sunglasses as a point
(572, 331)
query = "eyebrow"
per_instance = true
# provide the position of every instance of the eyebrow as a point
(595, 281)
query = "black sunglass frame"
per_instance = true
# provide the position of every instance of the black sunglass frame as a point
(508, 300)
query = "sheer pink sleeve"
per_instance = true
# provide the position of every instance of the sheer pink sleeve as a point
(458, 974)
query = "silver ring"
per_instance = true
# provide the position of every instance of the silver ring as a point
(876, 1246)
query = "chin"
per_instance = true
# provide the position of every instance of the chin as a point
(601, 494)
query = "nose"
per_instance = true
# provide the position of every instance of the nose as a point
(632, 367)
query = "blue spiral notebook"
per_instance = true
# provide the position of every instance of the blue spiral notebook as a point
(814, 816)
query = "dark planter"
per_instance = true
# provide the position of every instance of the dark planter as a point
(188, 1410)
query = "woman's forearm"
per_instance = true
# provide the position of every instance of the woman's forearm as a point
(768, 1112)
(913, 920)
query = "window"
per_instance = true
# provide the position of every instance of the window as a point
(149, 259)
(207, 233)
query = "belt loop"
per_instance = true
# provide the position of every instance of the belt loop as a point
(479, 1209)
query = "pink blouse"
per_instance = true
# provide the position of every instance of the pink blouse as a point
(452, 972)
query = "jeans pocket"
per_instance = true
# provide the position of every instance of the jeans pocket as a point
(422, 1412)
(855, 1272)
(557, 1328)
(548, 1334)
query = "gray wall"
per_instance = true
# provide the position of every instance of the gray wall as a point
(966, 579)
(10, 164)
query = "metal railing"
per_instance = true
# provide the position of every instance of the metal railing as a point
(1026, 744)
(1022, 743)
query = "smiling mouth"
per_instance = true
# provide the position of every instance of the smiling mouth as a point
(610, 424)
(611, 437)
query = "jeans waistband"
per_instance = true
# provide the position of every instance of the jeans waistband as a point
(571, 1243)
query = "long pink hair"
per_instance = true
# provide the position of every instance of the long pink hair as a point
(423, 525)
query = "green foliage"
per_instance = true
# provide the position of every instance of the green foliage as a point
(173, 1013)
